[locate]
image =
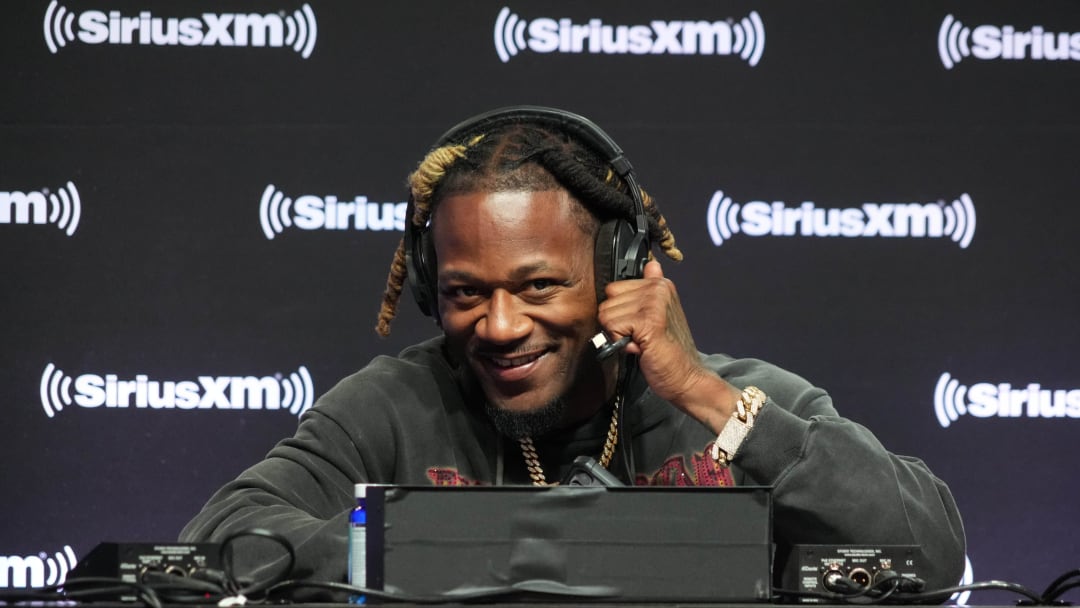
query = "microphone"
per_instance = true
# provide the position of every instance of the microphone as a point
(606, 348)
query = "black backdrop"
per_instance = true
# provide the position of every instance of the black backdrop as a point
(179, 158)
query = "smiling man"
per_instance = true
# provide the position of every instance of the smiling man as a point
(517, 303)
(527, 239)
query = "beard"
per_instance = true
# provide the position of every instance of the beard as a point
(534, 423)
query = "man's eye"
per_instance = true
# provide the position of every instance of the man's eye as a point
(542, 284)
(464, 292)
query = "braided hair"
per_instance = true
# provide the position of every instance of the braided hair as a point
(518, 157)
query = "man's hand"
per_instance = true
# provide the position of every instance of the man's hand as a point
(649, 311)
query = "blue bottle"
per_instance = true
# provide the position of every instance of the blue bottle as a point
(358, 542)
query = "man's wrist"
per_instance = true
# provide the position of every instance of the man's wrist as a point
(711, 401)
(738, 426)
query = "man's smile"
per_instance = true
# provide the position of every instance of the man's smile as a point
(511, 367)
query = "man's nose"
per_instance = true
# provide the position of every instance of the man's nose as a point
(505, 320)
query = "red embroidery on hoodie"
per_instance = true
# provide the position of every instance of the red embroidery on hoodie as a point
(449, 477)
(703, 471)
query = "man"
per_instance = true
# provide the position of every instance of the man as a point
(512, 217)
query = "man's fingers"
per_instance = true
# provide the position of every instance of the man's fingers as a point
(653, 270)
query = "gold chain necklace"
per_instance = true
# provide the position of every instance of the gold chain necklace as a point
(532, 461)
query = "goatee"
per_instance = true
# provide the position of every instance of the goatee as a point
(518, 425)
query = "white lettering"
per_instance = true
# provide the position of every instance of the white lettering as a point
(757, 218)
(210, 29)
(1002, 400)
(93, 27)
(543, 35)
(259, 29)
(991, 42)
(711, 38)
(25, 205)
(640, 39)
(983, 398)
(89, 390)
(254, 392)
(317, 213)
(228, 393)
(21, 572)
(309, 212)
(214, 393)
(190, 32)
(547, 35)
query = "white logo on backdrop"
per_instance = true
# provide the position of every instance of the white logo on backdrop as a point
(310, 212)
(276, 30)
(985, 400)
(62, 208)
(726, 218)
(20, 572)
(293, 393)
(744, 38)
(961, 598)
(957, 42)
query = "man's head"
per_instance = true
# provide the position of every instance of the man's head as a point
(510, 214)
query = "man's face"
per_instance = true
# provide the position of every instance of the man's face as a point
(517, 299)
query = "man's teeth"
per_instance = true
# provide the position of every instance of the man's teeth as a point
(516, 361)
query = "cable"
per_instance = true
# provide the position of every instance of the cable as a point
(237, 587)
(1061, 591)
(207, 586)
(97, 588)
(898, 596)
(1057, 588)
(628, 376)
(486, 594)
(175, 589)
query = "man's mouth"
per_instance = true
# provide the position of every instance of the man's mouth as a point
(515, 368)
(515, 361)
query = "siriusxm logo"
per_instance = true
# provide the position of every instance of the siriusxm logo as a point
(987, 42)
(293, 393)
(309, 212)
(62, 208)
(956, 220)
(745, 38)
(987, 400)
(18, 572)
(276, 30)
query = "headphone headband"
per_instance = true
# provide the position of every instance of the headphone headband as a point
(579, 126)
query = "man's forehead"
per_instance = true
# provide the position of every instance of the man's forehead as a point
(545, 206)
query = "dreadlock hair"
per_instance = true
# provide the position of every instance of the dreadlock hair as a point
(518, 157)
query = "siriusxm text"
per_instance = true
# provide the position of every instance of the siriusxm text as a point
(227, 29)
(208, 392)
(548, 35)
(758, 218)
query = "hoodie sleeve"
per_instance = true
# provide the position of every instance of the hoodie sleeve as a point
(835, 483)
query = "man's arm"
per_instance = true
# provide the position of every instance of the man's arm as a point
(835, 483)
(303, 491)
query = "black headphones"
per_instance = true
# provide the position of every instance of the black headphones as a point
(622, 248)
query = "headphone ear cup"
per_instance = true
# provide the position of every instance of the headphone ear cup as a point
(612, 242)
(420, 270)
(428, 273)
